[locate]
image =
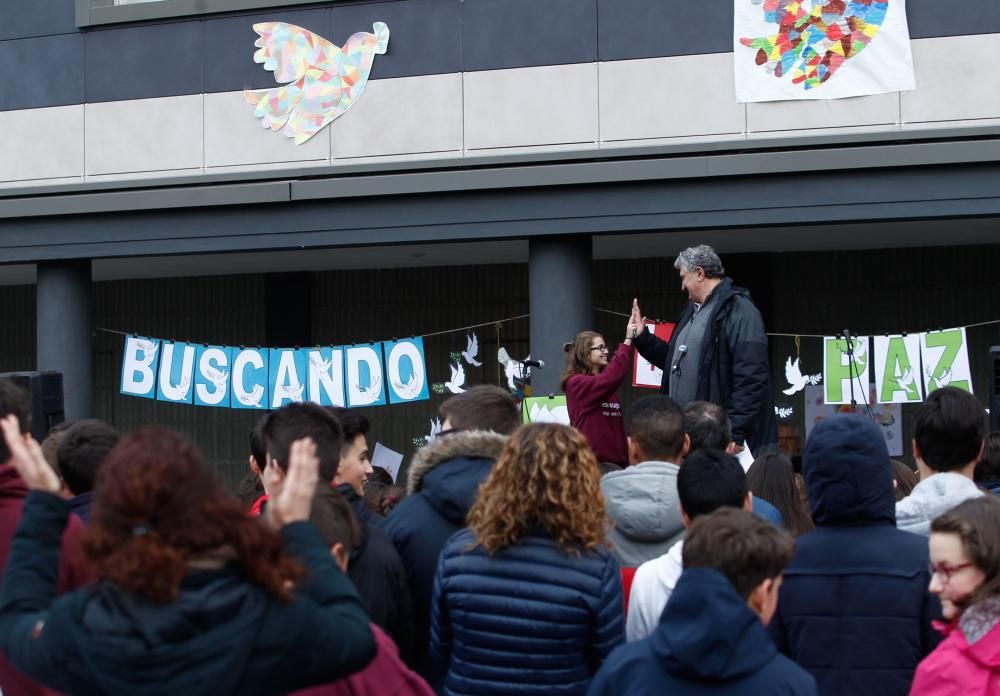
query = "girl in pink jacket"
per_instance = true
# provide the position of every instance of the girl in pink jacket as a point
(965, 575)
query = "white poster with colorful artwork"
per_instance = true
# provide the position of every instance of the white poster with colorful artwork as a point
(845, 371)
(946, 360)
(887, 416)
(897, 369)
(818, 49)
(644, 373)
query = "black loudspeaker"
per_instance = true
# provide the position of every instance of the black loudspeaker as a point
(46, 390)
(995, 388)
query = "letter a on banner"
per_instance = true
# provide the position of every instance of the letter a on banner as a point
(365, 383)
(406, 371)
(211, 378)
(326, 376)
(287, 377)
(139, 366)
(176, 372)
(250, 378)
(946, 360)
(839, 374)
(897, 369)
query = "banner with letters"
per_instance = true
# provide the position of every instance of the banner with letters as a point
(906, 367)
(390, 372)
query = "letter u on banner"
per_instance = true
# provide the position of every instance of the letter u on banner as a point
(365, 383)
(139, 366)
(406, 370)
(176, 372)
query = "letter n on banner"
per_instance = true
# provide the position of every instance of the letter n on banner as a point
(644, 373)
(897, 369)
(839, 375)
(139, 366)
(406, 371)
(946, 360)
(365, 383)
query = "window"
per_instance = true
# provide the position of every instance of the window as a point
(96, 12)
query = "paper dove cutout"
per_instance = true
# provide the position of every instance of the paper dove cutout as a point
(179, 391)
(253, 398)
(513, 369)
(435, 430)
(454, 385)
(814, 42)
(149, 349)
(471, 349)
(795, 378)
(321, 80)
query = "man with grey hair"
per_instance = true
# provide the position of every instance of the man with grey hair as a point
(718, 351)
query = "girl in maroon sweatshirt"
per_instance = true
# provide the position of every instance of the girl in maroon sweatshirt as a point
(591, 383)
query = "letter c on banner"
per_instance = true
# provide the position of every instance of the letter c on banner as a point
(255, 397)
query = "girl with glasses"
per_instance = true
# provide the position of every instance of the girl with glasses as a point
(591, 381)
(965, 575)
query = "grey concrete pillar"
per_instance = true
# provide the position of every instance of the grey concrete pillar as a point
(560, 297)
(65, 309)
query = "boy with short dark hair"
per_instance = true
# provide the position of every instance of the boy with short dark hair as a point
(712, 635)
(82, 449)
(948, 437)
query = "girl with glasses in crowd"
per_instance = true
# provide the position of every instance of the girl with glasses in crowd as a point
(591, 381)
(965, 575)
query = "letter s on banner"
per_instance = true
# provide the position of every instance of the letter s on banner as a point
(139, 364)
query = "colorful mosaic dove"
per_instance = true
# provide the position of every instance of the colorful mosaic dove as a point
(811, 45)
(323, 81)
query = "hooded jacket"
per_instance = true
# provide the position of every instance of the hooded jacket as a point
(707, 641)
(734, 370)
(74, 571)
(854, 607)
(443, 483)
(530, 619)
(221, 635)
(931, 497)
(378, 574)
(968, 661)
(643, 505)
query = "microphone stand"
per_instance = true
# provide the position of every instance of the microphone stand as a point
(850, 368)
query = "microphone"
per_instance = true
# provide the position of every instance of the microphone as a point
(847, 337)
(537, 364)
(682, 351)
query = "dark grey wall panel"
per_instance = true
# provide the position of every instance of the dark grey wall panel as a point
(655, 28)
(44, 71)
(520, 33)
(20, 18)
(929, 18)
(160, 60)
(425, 36)
(229, 47)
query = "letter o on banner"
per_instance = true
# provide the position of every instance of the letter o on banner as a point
(411, 384)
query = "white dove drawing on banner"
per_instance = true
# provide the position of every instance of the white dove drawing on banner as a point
(435, 430)
(286, 391)
(217, 377)
(797, 380)
(454, 385)
(471, 349)
(253, 398)
(179, 391)
(318, 363)
(148, 349)
(409, 389)
(375, 387)
(943, 381)
(513, 369)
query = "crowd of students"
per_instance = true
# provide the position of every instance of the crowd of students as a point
(516, 560)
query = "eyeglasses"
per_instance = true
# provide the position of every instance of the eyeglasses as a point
(603, 348)
(945, 571)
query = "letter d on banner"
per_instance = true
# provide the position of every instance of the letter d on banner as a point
(365, 386)
(406, 371)
(139, 363)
